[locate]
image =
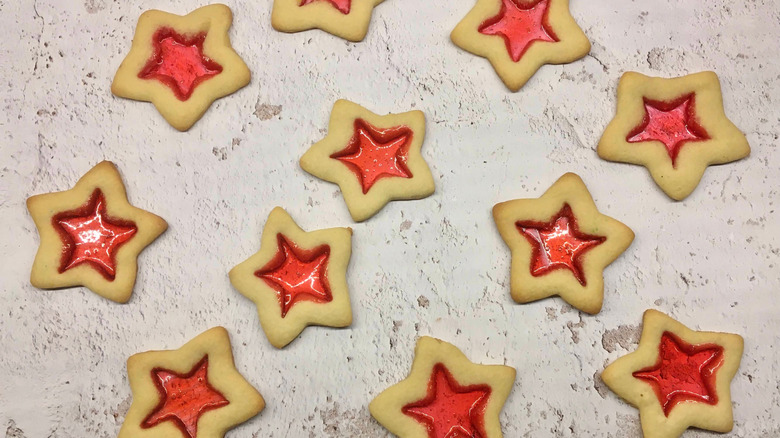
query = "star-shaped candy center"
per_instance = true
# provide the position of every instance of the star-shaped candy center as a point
(298, 274)
(184, 398)
(375, 153)
(342, 5)
(558, 244)
(90, 236)
(672, 123)
(683, 372)
(178, 62)
(450, 410)
(520, 25)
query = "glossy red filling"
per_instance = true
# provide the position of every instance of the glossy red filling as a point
(178, 62)
(684, 372)
(450, 410)
(672, 123)
(520, 25)
(558, 244)
(184, 398)
(342, 5)
(298, 274)
(375, 153)
(90, 236)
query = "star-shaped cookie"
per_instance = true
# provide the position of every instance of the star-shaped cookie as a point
(91, 236)
(560, 244)
(520, 36)
(678, 378)
(192, 392)
(181, 64)
(374, 159)
(674, 127)
(297, 278)
(445, 395)
(348, 19)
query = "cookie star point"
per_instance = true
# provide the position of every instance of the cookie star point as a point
(674, 127)
(374, 159)
(560, 244)
(348, 19)
(445, 395)
(297, 278)
(91, 236)
(518, 36)
(677, 377)
(181, 64)
(193, 391)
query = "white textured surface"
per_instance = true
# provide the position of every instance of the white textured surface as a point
(435, 266)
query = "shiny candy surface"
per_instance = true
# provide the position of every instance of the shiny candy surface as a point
(450, 410)
(184, 398)
(342, 5)
(178, 62)
(375, 153)
(520, 25)
(297, 274)
(672, 123)
(90, 236)
(558, 244)
(684, 372)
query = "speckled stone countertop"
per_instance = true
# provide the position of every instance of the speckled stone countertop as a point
(435, 266)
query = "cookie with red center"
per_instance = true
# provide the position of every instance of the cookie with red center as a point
(520, 36)
(91, 236)
(560, 244)
(445, 395)
(297, 278)
(348, 19)
(678, 378)
(181, 64)
(674, 127)
(374, 159)
(191, 392)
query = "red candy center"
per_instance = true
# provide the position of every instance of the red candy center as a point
(184, 398)
(375, 153)
(178, 62)
(672, 123)
(90, 236)
(520, 25)
(558, 244)
(342, 5)
(683, 372)
(298, 274)
(450, 410)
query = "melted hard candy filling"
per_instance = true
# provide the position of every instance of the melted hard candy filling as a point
(178, 62)
(374, 153)
(90, 236)
(558, 244)
(684, 372)
(520, 26)
(184, 398)
(672, 123)
(297, 274)
(450, 409)
(342, 5)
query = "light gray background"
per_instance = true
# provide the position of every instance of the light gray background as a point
(430, 267)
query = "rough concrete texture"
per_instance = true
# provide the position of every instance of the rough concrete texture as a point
(430, 267)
